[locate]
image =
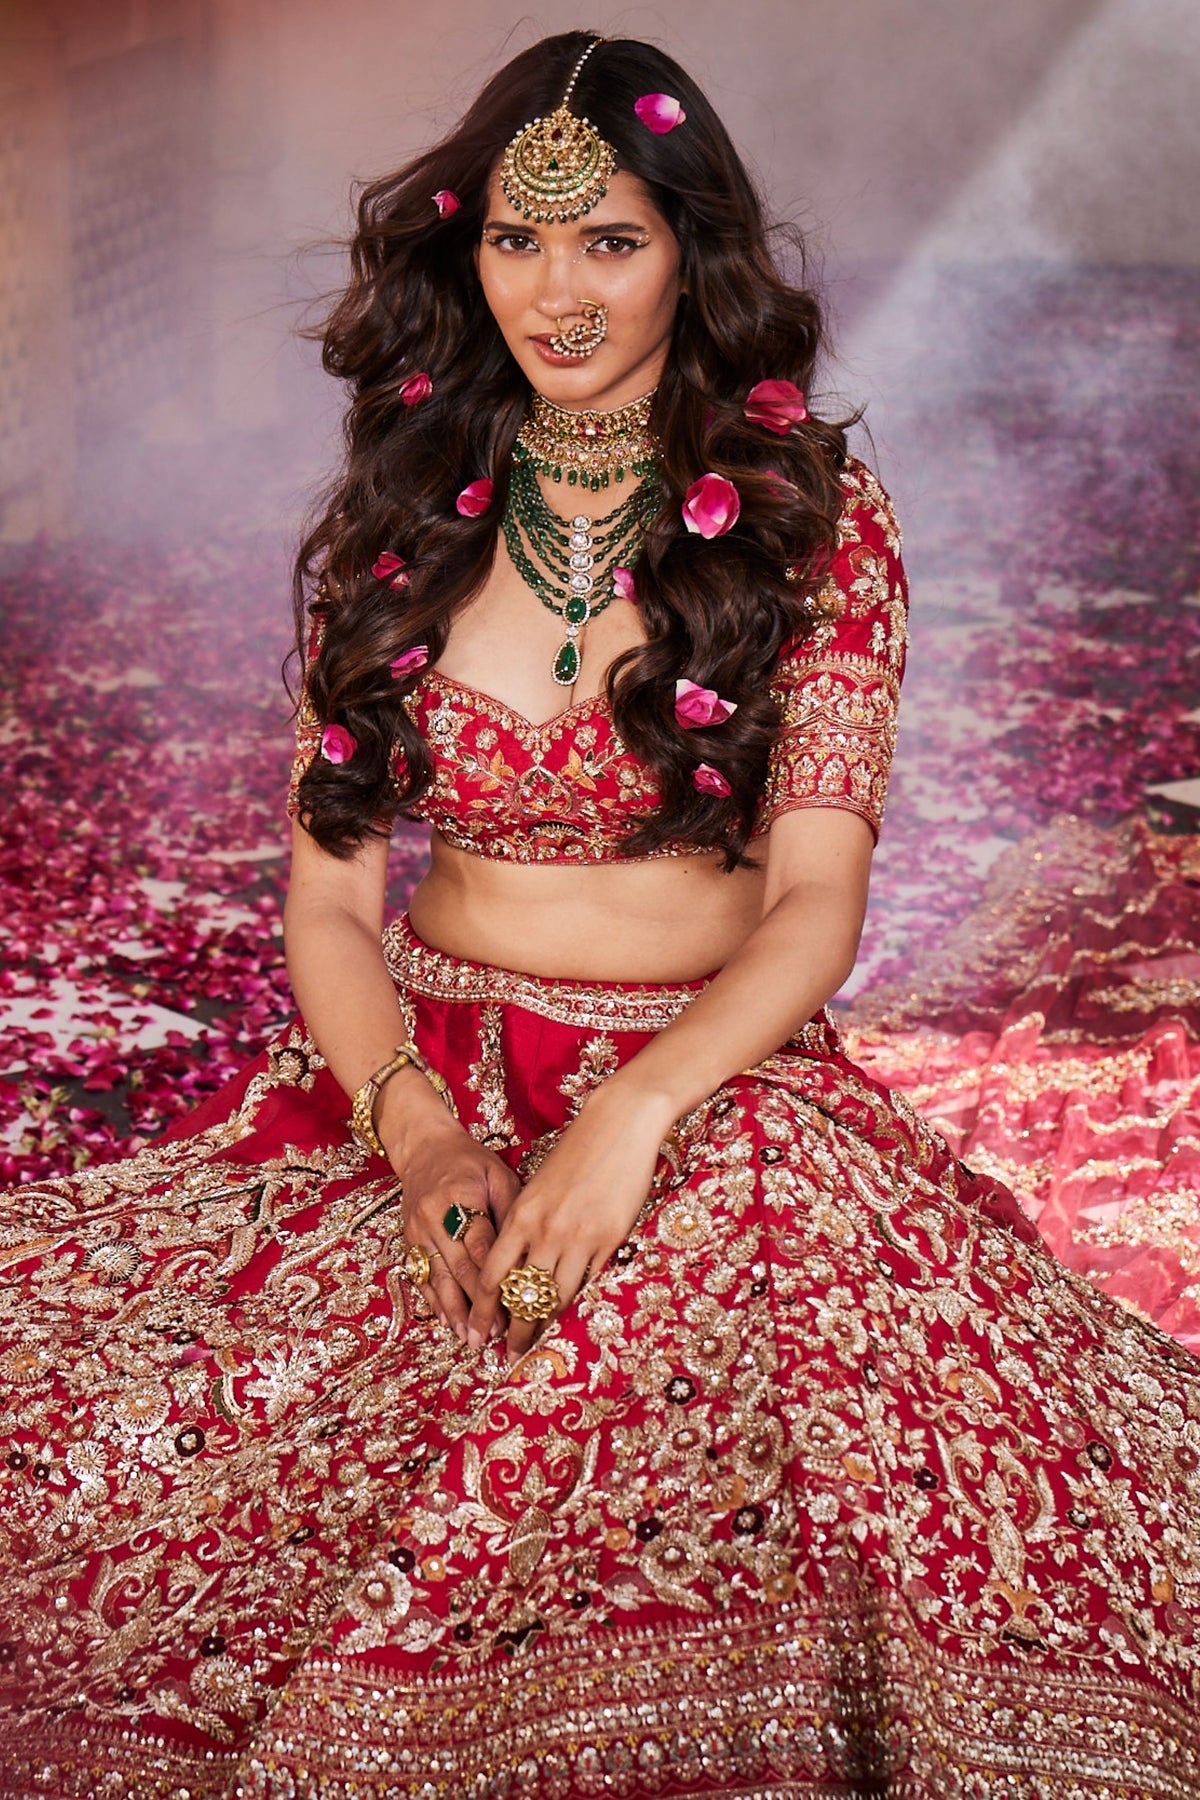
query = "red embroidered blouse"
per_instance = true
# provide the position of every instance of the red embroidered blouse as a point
(567, 790)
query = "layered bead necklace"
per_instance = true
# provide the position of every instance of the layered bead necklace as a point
(569, 563)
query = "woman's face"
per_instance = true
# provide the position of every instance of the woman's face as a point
(622, 255)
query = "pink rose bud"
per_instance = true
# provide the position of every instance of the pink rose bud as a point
(337, 744)
(476, 499)
(415, 389)
(698, 706)
(391, 568)
(777, 405)
(707, 780)
(446, 203)
(622, 580)
(711, 506)
(660, 113)
(410, 662)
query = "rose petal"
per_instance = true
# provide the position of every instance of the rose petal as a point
(446, 203)
(780, 484)
(413, 659)
(417, 388)
(777, 405)
(711, 506)
(475, 499)
(697, 706)
(660, 113)
(622, 580)
(337, 744)
(391, 568)
(707, 780)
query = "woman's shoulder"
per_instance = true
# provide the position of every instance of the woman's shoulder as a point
(868, 512)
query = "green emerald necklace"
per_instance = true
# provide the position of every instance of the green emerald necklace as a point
(569, 562)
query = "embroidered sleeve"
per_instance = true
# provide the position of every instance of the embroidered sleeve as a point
(308, 725)
(838, 690)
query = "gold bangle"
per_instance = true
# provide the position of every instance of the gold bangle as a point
(362, 1107)
(436, 1081)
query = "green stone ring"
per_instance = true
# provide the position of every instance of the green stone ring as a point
(457, 1221)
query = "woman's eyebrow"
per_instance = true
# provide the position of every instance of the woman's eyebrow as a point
(529, 230)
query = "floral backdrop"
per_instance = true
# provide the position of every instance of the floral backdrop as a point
(1031, 970)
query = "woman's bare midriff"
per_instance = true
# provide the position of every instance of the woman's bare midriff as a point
(668, 918)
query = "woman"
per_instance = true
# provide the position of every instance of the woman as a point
(553, 1368)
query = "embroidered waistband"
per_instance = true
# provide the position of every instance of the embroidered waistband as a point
(419, 968)
(592, 1005)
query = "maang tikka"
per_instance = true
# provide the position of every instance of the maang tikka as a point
(558, 168)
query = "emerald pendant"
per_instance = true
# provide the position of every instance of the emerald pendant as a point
(576, 610)
(566, 664)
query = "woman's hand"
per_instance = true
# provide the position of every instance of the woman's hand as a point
(441, 1166)
(576, 1208)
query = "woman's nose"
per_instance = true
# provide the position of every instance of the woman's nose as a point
(558, 287)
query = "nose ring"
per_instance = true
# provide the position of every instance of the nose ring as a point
(587, 335)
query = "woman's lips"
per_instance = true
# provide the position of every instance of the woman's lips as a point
(556, 358)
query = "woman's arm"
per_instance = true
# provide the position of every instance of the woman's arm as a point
(818, 868)
(333, 925)
(582, 1202)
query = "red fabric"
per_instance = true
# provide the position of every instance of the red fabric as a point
(833, 1480)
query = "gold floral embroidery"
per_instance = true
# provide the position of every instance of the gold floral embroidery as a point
(839, 692)
(488, 1078)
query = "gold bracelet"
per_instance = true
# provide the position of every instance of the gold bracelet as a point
(362, 1107)
(437, 1081)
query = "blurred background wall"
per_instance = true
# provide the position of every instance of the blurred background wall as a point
(163, 164)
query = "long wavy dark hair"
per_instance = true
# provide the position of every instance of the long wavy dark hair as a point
(717, 611)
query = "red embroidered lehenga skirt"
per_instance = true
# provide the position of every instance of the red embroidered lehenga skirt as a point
(831, 1483)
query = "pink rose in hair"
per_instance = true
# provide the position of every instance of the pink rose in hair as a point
(415, 389)
(776, 405)
(475, 499)
(337, 744)
(446, 203)
(410, 662)
(711, 506)
(659, 113)
(697, 706)
(707, 780)
(622, 580)
(391, 568)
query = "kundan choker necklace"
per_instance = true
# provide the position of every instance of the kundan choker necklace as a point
(569, 563)
(588, 449)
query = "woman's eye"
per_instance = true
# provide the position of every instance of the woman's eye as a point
(617, 246)
(508, 240)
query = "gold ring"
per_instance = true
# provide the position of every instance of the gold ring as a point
(530, 1293)
(418, 1263)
